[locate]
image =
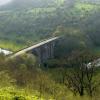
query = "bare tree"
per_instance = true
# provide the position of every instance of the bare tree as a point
(90, 84)
(75, 80)
(79, 79)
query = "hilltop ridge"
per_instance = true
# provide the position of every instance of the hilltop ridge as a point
(22, 4)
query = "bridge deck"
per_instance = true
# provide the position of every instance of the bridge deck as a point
(34, 46)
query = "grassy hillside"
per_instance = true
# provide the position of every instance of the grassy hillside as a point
(22, 23)
(22, 79)
(11, 93)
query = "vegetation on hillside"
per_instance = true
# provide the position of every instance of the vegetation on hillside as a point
(22, 78)
(67, 76)
(19, 28)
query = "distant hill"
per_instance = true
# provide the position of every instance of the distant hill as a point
(91, 1)
(17, 4)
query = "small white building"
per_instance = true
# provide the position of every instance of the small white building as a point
(5, 52)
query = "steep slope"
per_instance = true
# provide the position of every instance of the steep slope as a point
(19, 28)
(16, 25)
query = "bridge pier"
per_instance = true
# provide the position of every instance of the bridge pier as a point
(44, 52)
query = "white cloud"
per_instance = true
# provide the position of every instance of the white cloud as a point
(2, 2)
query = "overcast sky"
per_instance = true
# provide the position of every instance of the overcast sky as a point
(2, 2)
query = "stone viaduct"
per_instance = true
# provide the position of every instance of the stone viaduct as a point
(44, 50)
